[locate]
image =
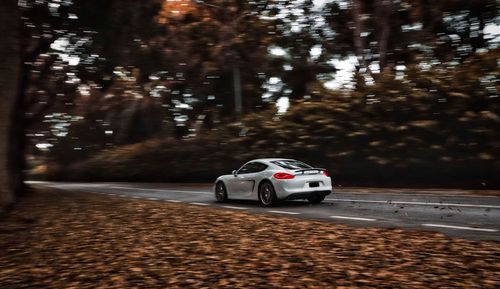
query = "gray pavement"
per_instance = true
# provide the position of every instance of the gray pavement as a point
(452, 212)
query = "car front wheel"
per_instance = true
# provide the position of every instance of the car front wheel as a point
(220, 192)
(267, 195)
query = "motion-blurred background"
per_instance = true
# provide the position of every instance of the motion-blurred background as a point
(382, 92)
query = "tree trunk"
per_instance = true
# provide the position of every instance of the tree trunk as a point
(383, 11)
(237, 92)
(359, 45)
(10, 68)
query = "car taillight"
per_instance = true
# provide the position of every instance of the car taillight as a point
(325, 172)
(283, 176)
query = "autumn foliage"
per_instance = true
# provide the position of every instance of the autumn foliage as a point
(435, 127)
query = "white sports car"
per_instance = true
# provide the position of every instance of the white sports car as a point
(272, 180)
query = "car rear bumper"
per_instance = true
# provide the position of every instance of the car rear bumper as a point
(305, 195)
(299, 187)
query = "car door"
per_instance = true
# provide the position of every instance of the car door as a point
(234, 183)
(246, 178)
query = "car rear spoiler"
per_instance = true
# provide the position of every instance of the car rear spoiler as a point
(303, 171)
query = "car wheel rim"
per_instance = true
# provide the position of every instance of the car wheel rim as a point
(219, 192)
(266, 194)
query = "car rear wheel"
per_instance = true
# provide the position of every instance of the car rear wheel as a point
(220, 192)
(267, 195)
(316, 199)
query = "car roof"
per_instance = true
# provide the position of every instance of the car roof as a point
(267, 160)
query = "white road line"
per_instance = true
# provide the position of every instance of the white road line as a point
(135, 197)
(160, 190)
(352, 218)
(459, 227)
(174, 201)
(199, 204)
(417, 203)
(429, 194)
(284, 212)
(236, 208)
(153, 199)
(131, 188)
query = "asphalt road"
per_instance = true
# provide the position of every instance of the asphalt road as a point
(454, 213)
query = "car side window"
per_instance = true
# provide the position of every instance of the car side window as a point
(259, 167)
(244, 169)
(253, 167)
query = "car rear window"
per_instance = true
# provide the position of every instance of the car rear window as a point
(291, 164)
(253, 167)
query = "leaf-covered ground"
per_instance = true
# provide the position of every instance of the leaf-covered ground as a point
(61, 239)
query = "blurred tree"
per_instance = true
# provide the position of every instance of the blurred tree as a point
(454, 29)
(300, 47)
(118, 72)
(10, 64)
(213, 46)
(432, 127)
(74, 49)
(385, 33)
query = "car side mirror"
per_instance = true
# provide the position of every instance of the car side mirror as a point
(235, 173)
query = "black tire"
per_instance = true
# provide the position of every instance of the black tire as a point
(267, 195)
(220, 192)
(316, 199)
